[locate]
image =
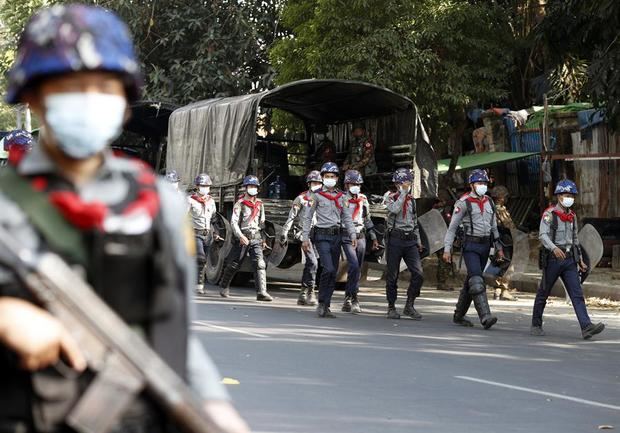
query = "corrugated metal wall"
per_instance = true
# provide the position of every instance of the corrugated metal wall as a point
(599, 181)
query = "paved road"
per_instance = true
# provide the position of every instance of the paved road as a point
(298, 373)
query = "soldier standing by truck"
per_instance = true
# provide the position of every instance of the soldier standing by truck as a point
(328, 205)
(300, 205)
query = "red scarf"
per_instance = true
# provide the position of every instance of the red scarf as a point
(333, 198)
(406, 205)
(255, 206)
(479, 201)
(356, 202)
(199, 198)
(566, 217)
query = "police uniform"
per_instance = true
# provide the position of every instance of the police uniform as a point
(328, 206)
(308, 278)
(359, 209)
(477, 216)
(403, 241)
(248, 219)
(558, 229)
(136, 256)
(18, 143)
(202, 209)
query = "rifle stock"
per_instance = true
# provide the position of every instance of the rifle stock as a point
(106, 340)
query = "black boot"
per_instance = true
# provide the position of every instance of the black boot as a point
(484, 311)
(346, 306)
(592, 330)
(410, 311)
(392, 313)
(462, 305)
(227, 276)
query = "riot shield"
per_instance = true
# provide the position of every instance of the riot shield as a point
(433, 230)
(591, 248)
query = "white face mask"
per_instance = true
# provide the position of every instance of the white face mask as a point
(481, 190)
(568, 201)
(355, 189)
(83, 124)
(252, 191)
(329, 182)
(315, 188)
(204, 190)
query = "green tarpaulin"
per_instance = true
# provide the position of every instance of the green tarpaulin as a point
(481, 160)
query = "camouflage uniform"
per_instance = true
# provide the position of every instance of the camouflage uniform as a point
(504, 224)
(361, 157)
(444, 270)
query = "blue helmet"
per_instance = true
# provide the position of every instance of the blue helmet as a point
(402, 175)
(330, 167)
(478, 176)
(18, 138)
(172, 176)
(202, 179)
(251, 180)
(314, 176)
(353, 176)
(72, 38)
(566, 187)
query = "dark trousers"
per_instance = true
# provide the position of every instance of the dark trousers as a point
(308, 278)
(566, 270)
(355, 259)
(406, 250)
(254, 250)
(328, 247)
(203, 243)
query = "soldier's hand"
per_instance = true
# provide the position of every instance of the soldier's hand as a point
(559, 254)
(283, 238)
(244, 240)
(305, 246)
(38, 338)
(420, 248)
(501, 255)
(447, 257)
(375, 245)
(225, 416)
(354, 243)
(582, 266)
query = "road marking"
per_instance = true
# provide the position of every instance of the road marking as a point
(225, 328)
(535, 391)
(230, 381)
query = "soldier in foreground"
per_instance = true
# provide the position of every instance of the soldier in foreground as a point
(328, 205)
(561, 258)
(359, 209)
(247, 223)
(76, 69)
(202, 209)
(295, 216)
(404, 243)
(476, 212)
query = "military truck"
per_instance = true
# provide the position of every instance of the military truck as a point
(231, 137)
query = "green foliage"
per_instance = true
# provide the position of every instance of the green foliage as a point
(587, 32)
(445, 54)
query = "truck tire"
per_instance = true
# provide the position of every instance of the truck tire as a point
(219, 249)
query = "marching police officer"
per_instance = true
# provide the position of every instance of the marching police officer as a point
(404, 243)
(476, 212)
(300, 205)
(247, 223)
(361, 156)
(111, 217)
(561, 258)
(359, 209)
(202, 209)
(18, 143)
(328, 205)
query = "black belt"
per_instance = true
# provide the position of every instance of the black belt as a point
(252, 234)
(327, 231)
(405, 235)
(360, 235)
(201, 232)
(478, 239)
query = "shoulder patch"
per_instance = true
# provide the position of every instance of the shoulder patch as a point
(457, 209)
(547, 217)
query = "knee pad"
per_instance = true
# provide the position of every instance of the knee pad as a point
(476, 285)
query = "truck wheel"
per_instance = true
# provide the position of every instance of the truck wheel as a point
(219, 248)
